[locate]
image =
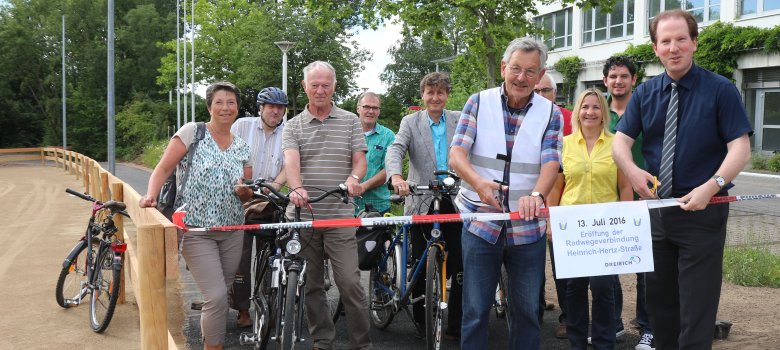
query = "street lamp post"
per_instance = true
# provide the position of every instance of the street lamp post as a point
(285, 46)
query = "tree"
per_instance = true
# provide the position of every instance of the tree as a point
(235, 42)
(412, 59)
(30, 67)
(485, 26)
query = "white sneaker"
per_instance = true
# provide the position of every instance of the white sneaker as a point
(645, 342)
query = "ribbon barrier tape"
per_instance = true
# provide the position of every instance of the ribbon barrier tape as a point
(178, 217)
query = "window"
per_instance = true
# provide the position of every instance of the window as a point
(751, 7)
(704, 11)
(600, 26)
(557, 27)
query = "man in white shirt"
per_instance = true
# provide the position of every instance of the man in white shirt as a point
(264, 136)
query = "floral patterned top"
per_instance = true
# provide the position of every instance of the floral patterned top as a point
(210, 197)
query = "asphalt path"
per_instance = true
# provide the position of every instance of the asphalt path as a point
(401, 333)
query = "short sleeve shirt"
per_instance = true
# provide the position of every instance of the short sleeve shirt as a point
(266, 150)
(325, 148)
(378, 140)
(210, 197)
(710, 115)
(590, 177)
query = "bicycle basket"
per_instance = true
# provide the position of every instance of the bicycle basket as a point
(370, 241)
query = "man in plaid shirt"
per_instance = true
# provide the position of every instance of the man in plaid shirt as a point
(526, 164)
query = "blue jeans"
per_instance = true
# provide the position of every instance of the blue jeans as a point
(641, 304)
(603, 327)
(481, 270)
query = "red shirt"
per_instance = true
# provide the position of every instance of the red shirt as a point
(566, 121)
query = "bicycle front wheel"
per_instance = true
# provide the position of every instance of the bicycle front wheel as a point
(383, 281)
(70, 285)
(105, 290)
(290, 311)
(433, 298)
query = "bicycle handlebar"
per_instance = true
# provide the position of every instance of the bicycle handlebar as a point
(89, 198)
(263, 183)
(83, 196)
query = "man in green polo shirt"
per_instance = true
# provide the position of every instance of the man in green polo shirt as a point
(378, 139)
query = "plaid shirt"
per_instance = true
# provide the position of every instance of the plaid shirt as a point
(518, 232)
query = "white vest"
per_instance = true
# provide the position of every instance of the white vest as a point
(490, 142)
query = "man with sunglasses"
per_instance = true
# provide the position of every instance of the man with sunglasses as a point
(547, 88)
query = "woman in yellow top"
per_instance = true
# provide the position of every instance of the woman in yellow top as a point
(589, 175)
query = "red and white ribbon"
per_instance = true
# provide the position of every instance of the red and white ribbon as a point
(178, 217)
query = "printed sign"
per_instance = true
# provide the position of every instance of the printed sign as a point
(601, 239)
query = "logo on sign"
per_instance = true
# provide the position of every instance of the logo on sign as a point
(633, 260)
(637, 222)
(563, 225)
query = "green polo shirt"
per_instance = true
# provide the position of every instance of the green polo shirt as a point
(378, 140)
(636, 149)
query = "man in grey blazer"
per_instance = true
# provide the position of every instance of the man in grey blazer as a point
(426, 136)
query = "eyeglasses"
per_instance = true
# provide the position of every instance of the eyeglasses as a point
(529, 73)
(371, 108)
(546, 90)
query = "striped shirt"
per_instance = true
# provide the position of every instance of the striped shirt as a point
(267, 156)
(326, 149)
(518, 232)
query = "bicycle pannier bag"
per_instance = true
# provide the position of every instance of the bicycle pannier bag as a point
(166, 200)
(370, 242)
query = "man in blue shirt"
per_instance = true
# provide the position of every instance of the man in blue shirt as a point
(695, 133)
(424, 135)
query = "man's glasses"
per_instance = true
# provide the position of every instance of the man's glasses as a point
(371, 108)
(546, 90)
(529, 73)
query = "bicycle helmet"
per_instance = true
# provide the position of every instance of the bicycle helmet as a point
(272, 95)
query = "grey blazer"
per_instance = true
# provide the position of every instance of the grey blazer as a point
(414, 137)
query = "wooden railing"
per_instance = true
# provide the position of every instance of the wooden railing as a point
(152, 257)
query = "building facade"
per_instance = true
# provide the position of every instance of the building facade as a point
(595, 35)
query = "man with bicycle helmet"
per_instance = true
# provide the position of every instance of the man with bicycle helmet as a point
(264, 136)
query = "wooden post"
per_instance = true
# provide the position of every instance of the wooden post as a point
(105, 195)
(95, 175)
(76, 165)
(84, 172)
(152, 302)
(117, 194)
(43, 157)
(72, 162)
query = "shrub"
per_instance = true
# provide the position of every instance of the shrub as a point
(751, 267)
(153, 152)
(758, 161)
(774, 163)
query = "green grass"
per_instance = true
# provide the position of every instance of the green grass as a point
(153, 153)
(751, 267)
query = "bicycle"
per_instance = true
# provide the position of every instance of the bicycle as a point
(391, 286)
(278, 294)
(94, 265)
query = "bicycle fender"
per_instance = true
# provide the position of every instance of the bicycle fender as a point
(73, 252)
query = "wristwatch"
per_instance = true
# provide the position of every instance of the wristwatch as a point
(537, 194)
(354, 177)
(720, 180)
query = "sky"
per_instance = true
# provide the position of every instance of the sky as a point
(377, 42)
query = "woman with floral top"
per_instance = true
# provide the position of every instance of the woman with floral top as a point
(220, 161)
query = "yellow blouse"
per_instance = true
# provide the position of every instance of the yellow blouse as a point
(590, 178)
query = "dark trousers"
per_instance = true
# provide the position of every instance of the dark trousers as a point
(603, 327)
(684, 290)
(560, 286)
(451, 233)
